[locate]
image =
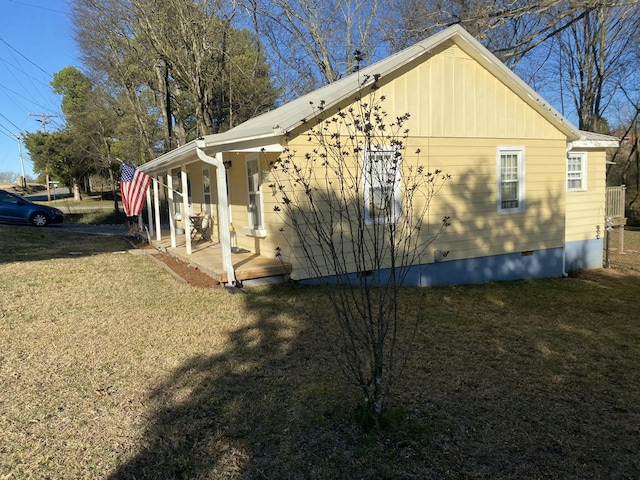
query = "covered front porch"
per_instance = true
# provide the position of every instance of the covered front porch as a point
(204, 186)
(250, 268)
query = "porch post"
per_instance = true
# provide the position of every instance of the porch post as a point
(156, 207)
(150, 211)
(185, 208)
(223, 207)
(172, 209)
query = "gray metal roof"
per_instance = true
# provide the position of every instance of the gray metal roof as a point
(290, 115)
(269, 127)
(591, 139)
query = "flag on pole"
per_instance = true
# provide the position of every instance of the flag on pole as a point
(133, 187)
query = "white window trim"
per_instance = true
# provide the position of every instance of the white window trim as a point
(583, 171)
(396, 213)
(520, 152)
(250, 230)
(208, 207)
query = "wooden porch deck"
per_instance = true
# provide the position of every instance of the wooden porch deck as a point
(249, 267)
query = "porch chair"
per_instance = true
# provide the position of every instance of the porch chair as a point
(201, 227)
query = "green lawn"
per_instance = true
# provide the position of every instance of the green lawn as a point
(109, 368)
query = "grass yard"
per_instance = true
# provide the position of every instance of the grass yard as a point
(110, 369)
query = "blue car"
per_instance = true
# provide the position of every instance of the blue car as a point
(14, 208)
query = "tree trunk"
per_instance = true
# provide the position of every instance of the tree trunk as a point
(77, 192)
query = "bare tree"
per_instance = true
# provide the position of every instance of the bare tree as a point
(509, 28)
(201, 73)
(104, 31)
(595, 57)
(358, 229)
(312, 43)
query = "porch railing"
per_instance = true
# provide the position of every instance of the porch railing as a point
(615, 218)
(615, 202)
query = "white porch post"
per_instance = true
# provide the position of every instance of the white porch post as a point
(223, 206)
(185, 208)
(156, 207)
(172, 209)
(150, 211)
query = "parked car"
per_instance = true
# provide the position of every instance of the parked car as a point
(14, 208)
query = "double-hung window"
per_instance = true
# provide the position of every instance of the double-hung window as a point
(254, 206)
(381, 179)
(206, 189)
(576, 171)
(510, 172)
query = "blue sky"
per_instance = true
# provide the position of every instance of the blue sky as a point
(36, 41)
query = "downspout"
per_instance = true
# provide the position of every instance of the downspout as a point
(223, 207)
(564, 241)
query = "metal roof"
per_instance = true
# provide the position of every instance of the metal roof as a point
(595, 140)
(269, 127)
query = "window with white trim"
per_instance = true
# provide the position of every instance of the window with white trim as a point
(206, 189)
(381, 177)
(510, 172)
(576, 171)
(254, 205)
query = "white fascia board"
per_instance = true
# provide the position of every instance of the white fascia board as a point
(187, 152)
(261, 143)
(594, 144)
(178, 156)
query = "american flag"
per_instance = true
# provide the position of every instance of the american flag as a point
(133, 186)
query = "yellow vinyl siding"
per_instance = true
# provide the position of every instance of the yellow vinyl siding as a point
(586, 209)
(272, 223)
(460, 115)
(469, 198)
(451, 95)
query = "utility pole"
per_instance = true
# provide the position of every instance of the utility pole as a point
(23, 183)
(44, 119)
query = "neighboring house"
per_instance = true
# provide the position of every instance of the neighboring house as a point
(471, 117)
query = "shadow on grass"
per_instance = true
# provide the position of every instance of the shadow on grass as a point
(503, 386)
(25, 243)
(258, 409)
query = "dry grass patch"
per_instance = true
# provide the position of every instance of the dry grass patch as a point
(111, 369)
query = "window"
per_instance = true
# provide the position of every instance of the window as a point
(381, 176)
(6, 197)
(206, 189)
(577, 171)
(254, 205)
(176, 185)
(510, 163)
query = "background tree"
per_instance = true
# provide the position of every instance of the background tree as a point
(57, 154)
(313, 43)
(357, 159)
(64, 154)
(589, 39)
(594, 57)
(105, 33)
(205, 74)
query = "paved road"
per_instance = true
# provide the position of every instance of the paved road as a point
(119, 230)
(56, 193)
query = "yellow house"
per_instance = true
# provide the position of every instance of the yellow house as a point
(526, 197)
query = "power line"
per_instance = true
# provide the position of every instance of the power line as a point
(25, 57)
(12, 124)
(16, 94)
(37, 6)
(44, 118)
